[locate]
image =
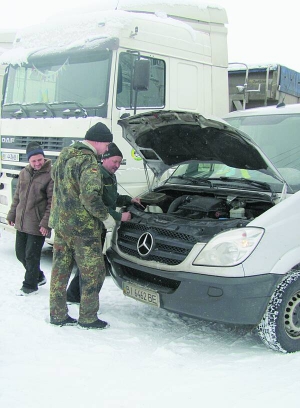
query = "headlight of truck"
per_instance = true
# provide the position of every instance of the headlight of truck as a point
(230, 248)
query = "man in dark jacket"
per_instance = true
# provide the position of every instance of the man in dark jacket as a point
(77, 213)
(111, 161)
(29, 213)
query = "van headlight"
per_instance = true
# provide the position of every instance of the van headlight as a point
(230, 248)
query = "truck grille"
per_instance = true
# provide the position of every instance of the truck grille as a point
(17, 143)
(169, 247)
(48, 143)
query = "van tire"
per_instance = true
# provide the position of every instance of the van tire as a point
(279, 328)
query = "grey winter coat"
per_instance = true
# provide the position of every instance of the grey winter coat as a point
(31, 204)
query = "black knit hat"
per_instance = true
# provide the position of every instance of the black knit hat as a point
(112, 150)
(34, 148)
(99, 133)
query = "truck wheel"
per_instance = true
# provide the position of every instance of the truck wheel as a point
(279, 328)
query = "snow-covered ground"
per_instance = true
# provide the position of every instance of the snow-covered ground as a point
(147, 358)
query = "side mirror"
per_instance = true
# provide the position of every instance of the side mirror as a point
(141, 76)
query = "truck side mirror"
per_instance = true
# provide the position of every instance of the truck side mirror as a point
(141, 76)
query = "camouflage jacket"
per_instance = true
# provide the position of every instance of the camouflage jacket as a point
(77, 206)
(31, 204)
(111, 197)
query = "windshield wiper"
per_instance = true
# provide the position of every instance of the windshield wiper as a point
(15, 110)
(39, 109)
(193, 180)
(259, 184)
(68, 111)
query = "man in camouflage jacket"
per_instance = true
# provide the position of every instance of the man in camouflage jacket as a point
(77, 213)
(111, 161)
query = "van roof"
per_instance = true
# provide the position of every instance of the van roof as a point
(266, 110)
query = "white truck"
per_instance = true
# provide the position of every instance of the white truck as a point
(6, 41)
(68, 74)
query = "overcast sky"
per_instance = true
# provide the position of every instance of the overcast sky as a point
(259, 31)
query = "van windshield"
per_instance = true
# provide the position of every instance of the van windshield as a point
(279, 138)
(220, 175)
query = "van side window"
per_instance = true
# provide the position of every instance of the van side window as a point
(278, 137)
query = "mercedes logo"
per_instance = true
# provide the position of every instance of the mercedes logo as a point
(145, 244)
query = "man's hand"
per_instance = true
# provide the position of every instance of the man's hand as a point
(11, 223)
(138, 201)
(126, 216)
(44, 231)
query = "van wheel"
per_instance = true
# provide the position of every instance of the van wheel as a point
(279, 328)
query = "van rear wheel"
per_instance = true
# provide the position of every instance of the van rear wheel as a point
(279, 328)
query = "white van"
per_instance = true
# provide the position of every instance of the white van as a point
(219, 239)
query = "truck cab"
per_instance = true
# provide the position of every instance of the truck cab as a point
(67, 75)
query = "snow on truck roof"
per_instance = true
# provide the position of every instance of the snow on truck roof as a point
(189, 9)
(87, 27)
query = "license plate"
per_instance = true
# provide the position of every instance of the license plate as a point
(10, 157)
(143, 295)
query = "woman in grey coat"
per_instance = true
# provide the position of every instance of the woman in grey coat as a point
(29, 214)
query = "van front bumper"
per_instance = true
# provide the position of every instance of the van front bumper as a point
(240, 301)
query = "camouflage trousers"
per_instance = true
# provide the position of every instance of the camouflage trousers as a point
(87, 252)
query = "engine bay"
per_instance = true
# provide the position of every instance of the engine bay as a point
(177, 219)
(206, 206)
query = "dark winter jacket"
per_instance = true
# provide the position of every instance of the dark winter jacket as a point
(111, 197)
(31, 204)
(77, 207)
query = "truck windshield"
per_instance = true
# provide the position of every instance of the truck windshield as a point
(278, 136)
(80, 80)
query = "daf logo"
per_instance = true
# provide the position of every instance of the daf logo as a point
(145, 244)
(8, 139)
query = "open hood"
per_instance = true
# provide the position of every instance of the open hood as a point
(167, 138)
